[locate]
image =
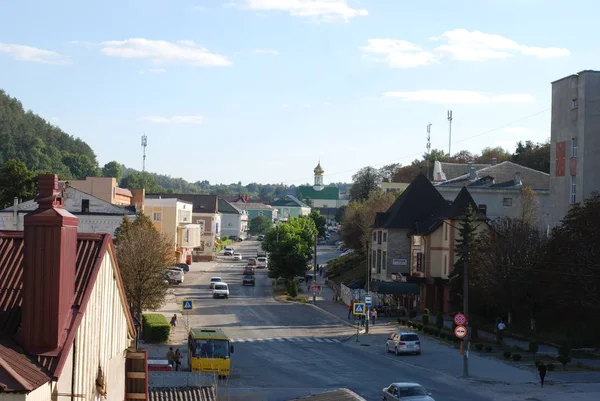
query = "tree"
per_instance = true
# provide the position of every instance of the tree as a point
(16, 180)
(464, 156)
(309, 202)
(320, 222)
(81, 166)
(533, 155)
(122, 230)
(260, 225)
(290, 247)
(143, 254)
(387, 172)
(365, 181)
(530, 206)
(113, 169)
(141, 180)
(409, 173)
(487, 154)
(339, 213)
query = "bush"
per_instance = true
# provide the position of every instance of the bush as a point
(412, 314)
(436, 332)
(488, 348)
(425, 319)
(479, 347)
(419, 327)
(564, 360)
(293, 289)
(516, 357)
(155, 328)
(533, 347)
(564, 349)
(507, 354)
(439, 320)
(550, 367)
(426, 311)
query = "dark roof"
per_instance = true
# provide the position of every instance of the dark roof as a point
(328, 193)
(337, 395)
(19, 371)
(419, 201)
(182, 394)
(202, 203)
(395, 288)
(502, 176)
(453, 170)
(289, 201)
(252, 206)
(227, 208)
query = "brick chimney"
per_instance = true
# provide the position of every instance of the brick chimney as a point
(49, 274)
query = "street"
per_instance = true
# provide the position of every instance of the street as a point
(288, 350)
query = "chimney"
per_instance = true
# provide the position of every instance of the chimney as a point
(518, 178)
(137, 198)
(49, 273)
(494, 161)
(472, 175)
(15, 213)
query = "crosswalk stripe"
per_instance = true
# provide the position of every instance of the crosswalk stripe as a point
(289, 339)
(310, 340)
(318, 340)
(327, 340)
(280, 339)
(335, 340)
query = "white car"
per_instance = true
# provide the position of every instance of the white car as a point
(237, 256)
(215, 280)
(409, 391)
(261, 262)
(228, 251)
(404, 342)
(221, 290)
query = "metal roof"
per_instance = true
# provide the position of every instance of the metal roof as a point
(209, 333)
(182, 394)
(338, 395)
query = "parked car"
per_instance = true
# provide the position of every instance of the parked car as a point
(260, 238)
(215, 280)
(261, 262)
(237, 256)
(177, 273)
(249, 280)
(404, 342)
(409, 391)
(228, 251)
(171, 277)
(252, 262)
(184, 266)
(221, 290)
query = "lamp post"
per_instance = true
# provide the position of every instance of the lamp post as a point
(315, 268)
(368, 280)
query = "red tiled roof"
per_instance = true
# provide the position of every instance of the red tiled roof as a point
(91, 249)
(123, 192)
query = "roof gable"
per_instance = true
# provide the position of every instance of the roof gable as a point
(453, 170)
(327, 193)
(202, 203)
(501, 176)
(227, 208)
(289, 201)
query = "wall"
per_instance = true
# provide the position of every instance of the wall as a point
(87, 223)
(397, 246)
(231, 225)
(102, 339)
(101, 187)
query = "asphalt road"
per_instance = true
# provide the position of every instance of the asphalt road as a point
(284, 350)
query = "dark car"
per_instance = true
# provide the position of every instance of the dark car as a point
(249, 280)
(184, 266)
(249, 271)
(260, 238)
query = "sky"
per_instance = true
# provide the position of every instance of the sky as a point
(261, 90)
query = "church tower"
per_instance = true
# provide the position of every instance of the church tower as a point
(318, 177)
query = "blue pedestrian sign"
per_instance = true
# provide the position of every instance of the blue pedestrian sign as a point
(188, 305)
(359, 308)
(368, 301)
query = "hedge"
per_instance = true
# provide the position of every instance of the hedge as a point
(155, 328)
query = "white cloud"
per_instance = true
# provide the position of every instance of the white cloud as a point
(164, 52)
(399, 53)
(33, 54)
(465, 45)
(325, 10)
(174, 119)
(326, 104)
(459, 97)
(266, 52)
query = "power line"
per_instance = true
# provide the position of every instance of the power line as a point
(395, 160)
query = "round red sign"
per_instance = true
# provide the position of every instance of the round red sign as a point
(460, 331)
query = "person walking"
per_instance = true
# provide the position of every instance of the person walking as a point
(171, 357)
(174, 322)
(177, 359)
(373, 316)
(542, 370)
(350, 309)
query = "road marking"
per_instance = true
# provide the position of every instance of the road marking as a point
(327, 340)
(310, 340)
(318, 340)
(279, 339)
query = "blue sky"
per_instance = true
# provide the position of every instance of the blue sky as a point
(260, 90)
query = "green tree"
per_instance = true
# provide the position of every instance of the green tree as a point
(533, 155)
(320, 222)
(16, 180)
(464, 156)
(339, 213)
(489, 153)
(365, 181)
(122, 230)
(113, 169)
(290, 247)
(260, 225)
(143, 254)
(141, 180)
(81, 166)
(388, 171)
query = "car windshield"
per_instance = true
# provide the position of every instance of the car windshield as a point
(412, 391)
(249, 277)
(220, 287)
(409, 337)
(211, 349)
(262, 259)
(215, 279)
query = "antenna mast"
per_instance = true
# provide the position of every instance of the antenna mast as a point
(450, 137)
(144, 144)
(428, 147)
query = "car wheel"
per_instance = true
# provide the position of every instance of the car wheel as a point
(396, 351)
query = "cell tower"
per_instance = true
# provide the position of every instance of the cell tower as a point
(450, 137)
(144, 144)
(428, 146)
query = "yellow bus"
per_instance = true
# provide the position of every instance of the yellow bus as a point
(209, 350)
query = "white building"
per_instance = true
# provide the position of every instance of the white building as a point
(234, 221)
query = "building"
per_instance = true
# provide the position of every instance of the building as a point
(497, 190)
(443, 171)
(290, 206)
(325, 199)
(574, 141)
(64, 316)
(105, 188)
(173, 218)
(94, 215)
(205, 212)
(394, 186)
(234, 221)
(257, 209)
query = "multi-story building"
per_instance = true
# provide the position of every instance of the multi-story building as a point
(234, 221)
(575, 142)
(290, 206)
(105, 188)
(173, 218)
(255, 209)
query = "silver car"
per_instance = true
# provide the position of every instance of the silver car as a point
(405, 391)
(404, 342)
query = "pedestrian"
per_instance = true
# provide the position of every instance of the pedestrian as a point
(373, 315)
(171, 357)
(174, 322)
(319, 289)
(501, 327)
(177, 359)
(542, 369)
(350, 309)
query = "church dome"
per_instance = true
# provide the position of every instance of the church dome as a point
(319, 169)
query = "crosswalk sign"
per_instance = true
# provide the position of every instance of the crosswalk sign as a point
(188, 304)
(359, 308)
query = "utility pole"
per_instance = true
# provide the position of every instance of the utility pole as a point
(450, 137)
(428, 147)
(466, 302)
(315, 267)
(368, 289)
(144, 144)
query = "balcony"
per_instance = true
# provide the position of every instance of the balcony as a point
(189, 235)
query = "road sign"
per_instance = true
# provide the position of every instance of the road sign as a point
(315, 287)
(359, 308)
(460, 331)
(214, 249)
(188, 304)
(460, 319)
(368, 301)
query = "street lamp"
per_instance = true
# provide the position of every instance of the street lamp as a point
(315, 268)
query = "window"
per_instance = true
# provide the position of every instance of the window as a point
(445, 265)
(186, 235)
(156, 216)
(384, 262)
(261, 213)
(373, 259)
(573, 104)
(379, 236)
(573, 189)
(85, 206)
(416, 240)
(379, 261)
(374, 236)
(483, 209)
(507, 202)
(384, 237)
(573, 147)
(445, 231)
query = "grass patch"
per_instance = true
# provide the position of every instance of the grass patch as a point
(299, 298)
